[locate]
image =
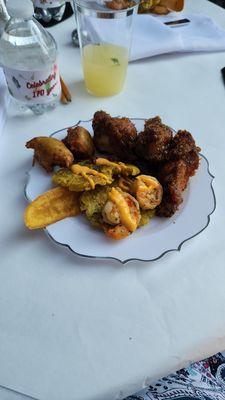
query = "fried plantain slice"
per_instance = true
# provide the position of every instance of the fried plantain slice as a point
(49, 152)
(50, 207)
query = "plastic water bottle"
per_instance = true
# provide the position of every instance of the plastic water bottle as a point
(49, 9)
(4, 16)
(28, 55)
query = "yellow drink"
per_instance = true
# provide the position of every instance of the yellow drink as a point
(105, 67)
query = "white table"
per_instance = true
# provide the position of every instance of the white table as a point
(73, 328)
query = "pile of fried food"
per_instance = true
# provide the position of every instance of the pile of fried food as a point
(148, 6)
(132, 178)
(160, 7)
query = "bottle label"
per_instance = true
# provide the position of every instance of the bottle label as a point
(48, 3)
(34, 87)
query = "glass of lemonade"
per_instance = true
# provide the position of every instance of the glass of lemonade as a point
(105, 39)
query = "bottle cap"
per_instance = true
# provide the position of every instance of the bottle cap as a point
(20, 9)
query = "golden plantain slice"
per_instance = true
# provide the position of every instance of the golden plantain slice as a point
(50, 207)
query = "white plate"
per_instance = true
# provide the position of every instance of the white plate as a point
(148, 243)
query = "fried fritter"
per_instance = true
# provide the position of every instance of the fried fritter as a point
(50, 152)
(79, 142)
(115, 136)
(153, 143)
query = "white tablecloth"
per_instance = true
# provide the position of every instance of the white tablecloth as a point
(66, 322)
(4, 100)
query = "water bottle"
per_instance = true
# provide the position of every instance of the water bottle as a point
(4, 16)
(28, 55)
(46, 10)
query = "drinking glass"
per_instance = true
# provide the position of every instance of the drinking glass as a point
(105, 40)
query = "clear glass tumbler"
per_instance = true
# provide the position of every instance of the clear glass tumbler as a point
(105, 40)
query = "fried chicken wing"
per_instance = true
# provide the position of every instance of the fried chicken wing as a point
(174, 178)
(79, 142)
(100, 127)
(50, 152)
(192, 162)
(173, 158)
(181, 145)
(153, 143)
(115, 136)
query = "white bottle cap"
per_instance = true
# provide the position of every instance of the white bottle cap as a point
(20, 9)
